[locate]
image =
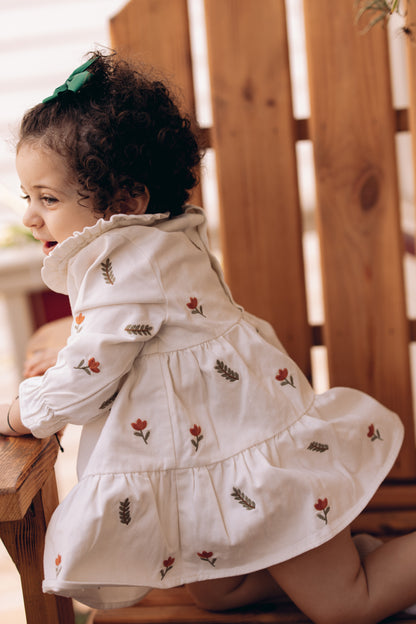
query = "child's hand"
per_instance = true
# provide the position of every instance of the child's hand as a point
(38, 362)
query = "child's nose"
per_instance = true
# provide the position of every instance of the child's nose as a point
(31, 218)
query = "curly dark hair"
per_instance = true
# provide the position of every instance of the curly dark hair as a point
(121, 132)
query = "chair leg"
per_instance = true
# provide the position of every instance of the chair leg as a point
(24, 540)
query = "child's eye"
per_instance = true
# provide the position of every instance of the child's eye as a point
(25, 197)
(49, 201)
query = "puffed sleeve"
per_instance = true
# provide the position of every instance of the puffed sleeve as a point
(118, 305)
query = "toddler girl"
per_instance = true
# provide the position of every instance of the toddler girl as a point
(205, 458)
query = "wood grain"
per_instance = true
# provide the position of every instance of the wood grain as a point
(254, 139)
(24, 540)
(174, 606)
(352, 127)
(25, 465)
(411, 73)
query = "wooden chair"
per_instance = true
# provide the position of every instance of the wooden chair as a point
(28, 496)
(352, 127)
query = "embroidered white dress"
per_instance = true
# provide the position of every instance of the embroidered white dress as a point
(204, 451)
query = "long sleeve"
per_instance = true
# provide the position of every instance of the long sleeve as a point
(118, 305)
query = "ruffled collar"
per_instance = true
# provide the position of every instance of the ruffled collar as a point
(54, 271)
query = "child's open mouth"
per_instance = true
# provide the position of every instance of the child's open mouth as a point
(48, 246)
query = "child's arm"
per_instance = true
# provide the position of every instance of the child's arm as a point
(119, 306)
(10, 422)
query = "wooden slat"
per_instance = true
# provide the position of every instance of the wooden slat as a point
(411, 74)
(174, 606)
(385, 523)
(352, 125)
(302, 132)
(394, 495)
(254, 139)
(156, 32)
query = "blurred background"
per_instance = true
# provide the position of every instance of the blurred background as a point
(40, 44)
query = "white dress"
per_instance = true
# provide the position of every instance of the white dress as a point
(204, 451)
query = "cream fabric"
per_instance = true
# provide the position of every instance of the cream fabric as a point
(204, 451)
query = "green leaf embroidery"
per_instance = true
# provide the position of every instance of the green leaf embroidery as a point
(145, 436)
(324, 516)
(244, 500)
(197, 441)
(124, 511)
(318, 447)
(107, 271)
(109, 401)
(139, 330)
(226, 372)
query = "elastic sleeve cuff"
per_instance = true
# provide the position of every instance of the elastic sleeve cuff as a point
(34, 414)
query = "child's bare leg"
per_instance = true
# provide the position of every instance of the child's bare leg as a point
(235, 591)
(331, 586)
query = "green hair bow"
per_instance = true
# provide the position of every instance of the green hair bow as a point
(76, 80)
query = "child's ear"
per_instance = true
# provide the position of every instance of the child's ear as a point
(142, 201)
(132, 204)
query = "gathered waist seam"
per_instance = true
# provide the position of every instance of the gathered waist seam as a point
(144, 352)
(203, 466)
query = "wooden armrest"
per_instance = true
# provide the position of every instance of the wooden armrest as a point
(25, 464)
(28, 496)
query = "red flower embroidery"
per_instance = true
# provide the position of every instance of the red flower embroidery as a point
(284, 377)
(196, 431)
(193, 303)
(283, 373)
(139, 426)
(373, 433)
(92, 366)
(322, 505)
(193, 306)
(205, 556)
(168, 563)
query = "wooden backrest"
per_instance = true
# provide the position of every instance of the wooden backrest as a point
(352, 127)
